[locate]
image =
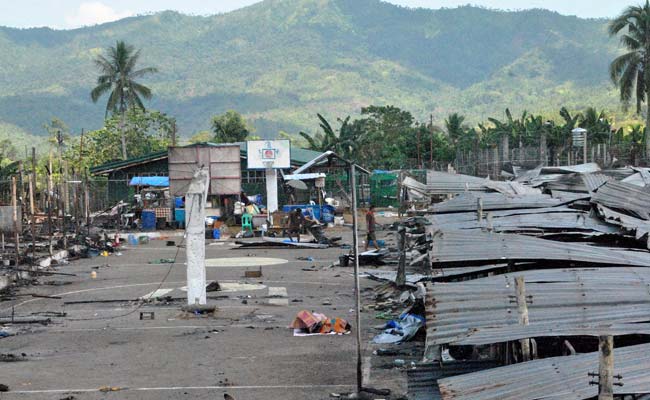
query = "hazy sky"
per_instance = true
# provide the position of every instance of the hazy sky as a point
(64, 14)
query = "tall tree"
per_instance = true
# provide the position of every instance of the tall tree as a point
(118, 76)
(631, 71)
(230, 127)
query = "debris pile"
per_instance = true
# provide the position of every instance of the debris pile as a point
(534, 272)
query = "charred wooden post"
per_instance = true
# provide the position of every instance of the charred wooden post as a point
(401, 267)
(522, 311)
(605, 368)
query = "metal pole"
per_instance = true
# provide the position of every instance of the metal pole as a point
(14, 204)
(32, 204)
(49, 202)
(357, 290)
(605, 368)
(32, 210)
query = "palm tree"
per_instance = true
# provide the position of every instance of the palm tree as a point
(631, 71)
(117, 75)
(346, 142)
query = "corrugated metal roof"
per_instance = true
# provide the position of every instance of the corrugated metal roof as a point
(638, 227)
(532, 221)
(594, 181)
(475, 248)
(494, 201)
(441, 183)
(298, 157)
(423, 380)
(624, 196)
(556, 378)
(563, 298)
(491, 335)
(116, 165)
(568, 169)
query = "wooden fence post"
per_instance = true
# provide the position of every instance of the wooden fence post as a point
(522, 310)
(605, 368)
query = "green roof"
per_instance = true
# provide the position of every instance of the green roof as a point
(298, 157)
(115, 165)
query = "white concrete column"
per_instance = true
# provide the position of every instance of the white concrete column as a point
(272, 190)
(195, 200)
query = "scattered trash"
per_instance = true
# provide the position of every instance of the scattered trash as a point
(253, 274)
(163, 261)
(10, 357)
(4, 388)
(93, 275)
(147, 315)
(213, 287)
(309, 324)
(106, 389)
(400, 331)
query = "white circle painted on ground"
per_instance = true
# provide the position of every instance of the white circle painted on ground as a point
(234, 287)
(243, 262)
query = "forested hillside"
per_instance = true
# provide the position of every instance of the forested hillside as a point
(280, 62)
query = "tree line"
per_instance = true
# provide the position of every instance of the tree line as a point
(384, 136)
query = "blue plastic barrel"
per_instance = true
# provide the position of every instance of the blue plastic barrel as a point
(179, 216)
(216, 234)
(148, 220)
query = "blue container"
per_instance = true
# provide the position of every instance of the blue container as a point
(148, 220)
(178, 202)
(133, 241)
(216, 234)
(328, 214)
(179, 216)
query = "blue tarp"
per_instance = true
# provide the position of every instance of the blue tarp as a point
(158, 181)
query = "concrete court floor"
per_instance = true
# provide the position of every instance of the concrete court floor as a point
(246, 350)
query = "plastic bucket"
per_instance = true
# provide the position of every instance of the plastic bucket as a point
(216, 234)
(148, 220)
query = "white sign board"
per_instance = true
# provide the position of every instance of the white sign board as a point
(268, 154)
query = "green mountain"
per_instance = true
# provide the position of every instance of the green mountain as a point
(281, 61)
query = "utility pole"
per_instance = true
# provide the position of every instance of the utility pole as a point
(14, 204)
(357, 290)
(32, 207)
(431, 141)
(195, 199)
(49, 201)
